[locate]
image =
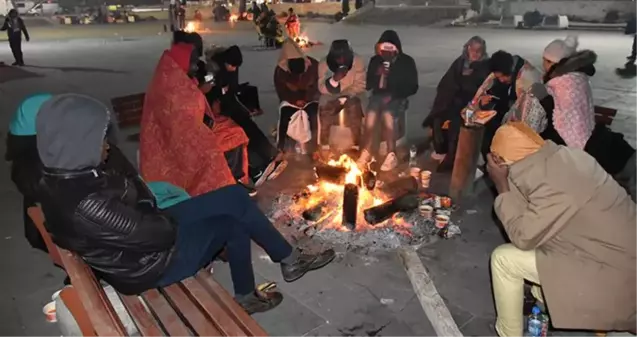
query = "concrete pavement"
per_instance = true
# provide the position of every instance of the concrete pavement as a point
(357, 295)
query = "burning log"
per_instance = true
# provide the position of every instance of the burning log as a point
(400, 186)
(350, 205)
(314, 213)
(380, 213)
(369, 180)
(332, 174)
(303, 195)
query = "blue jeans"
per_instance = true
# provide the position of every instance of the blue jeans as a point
(225, 217)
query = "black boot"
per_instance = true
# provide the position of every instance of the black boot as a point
(304, 263)
(260, 301)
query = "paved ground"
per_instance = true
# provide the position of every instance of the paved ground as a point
(345, 298)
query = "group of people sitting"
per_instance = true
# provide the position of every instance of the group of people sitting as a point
(566, 185)
(191, 197)
(267, 25)
(556, 103)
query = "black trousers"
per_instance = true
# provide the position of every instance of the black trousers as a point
(286, 113)
(15, 42)
(633, 53)
(260, 150)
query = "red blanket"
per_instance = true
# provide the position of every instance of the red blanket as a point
(175, 144)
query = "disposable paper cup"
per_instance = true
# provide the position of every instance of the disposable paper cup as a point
(49, 312)
(425, 178)
(414, 172)
(426, 211)
(442, 220)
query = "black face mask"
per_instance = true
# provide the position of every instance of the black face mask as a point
(387, 55)
(296, 66)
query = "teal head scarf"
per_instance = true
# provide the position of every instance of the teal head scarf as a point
(23, 121)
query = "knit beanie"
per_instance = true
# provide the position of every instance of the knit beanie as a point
(558, 49)
(233, 56)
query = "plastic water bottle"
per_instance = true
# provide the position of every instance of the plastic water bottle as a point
(413, 151)
(537, 323)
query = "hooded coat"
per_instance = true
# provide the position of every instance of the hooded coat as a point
(295, 87)
(106, 216)
(176, 145)
(353, 84)
(573, 113)
(581, 224)
(457, 86)
(402, 80)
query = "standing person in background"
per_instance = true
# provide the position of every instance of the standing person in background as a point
(630, 70)
(392, 77)
(455, 89)
(14, 25)
(342, 86)
(293, 25)
(296, 84)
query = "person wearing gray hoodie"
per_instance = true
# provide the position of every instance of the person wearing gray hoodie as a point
(111, 219)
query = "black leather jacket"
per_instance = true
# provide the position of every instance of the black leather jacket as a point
(111, 220)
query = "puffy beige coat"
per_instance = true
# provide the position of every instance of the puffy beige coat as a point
(582, 225)
(353, 84)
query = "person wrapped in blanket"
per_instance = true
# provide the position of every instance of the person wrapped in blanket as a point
(112, 220)
(455, 89)
(571, 113)
(296, 84)
(509, 90)
(392, 77)
(26, 167)
(182, 140)
(240, 102)
(293, 25)
(341, 83)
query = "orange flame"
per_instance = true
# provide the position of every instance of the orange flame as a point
(191, 27)
(332, 195)
(233, 18)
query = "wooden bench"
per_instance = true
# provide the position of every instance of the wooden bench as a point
(604, 115)
(197, 306)
(128, 110)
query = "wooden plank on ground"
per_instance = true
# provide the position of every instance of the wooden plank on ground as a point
(248, 324)
(432, 304)
(189, 311)
(143, 319)
(165, 313)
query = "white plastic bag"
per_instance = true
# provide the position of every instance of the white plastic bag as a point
(299, 127)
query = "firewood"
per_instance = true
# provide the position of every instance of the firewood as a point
(380, 213)
(350, 206)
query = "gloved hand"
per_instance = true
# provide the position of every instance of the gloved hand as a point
(538, 90)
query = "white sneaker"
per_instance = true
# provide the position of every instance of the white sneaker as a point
(390, 162)
(364, 159)
(438, 156)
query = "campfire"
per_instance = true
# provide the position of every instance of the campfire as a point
(191, 27)
(233, 18)
(346, 198)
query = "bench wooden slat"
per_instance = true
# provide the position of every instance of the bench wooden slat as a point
(143, 320)
(213, 309)
(101, 312)
(165, 313)
(128, 109)
(249, 325)
(189, 311)
(604, 115)
(72, 301)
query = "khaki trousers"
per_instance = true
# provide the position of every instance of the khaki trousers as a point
(510, 266)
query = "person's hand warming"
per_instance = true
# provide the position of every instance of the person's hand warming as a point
(499, 173)
(339, 74)
(342, 100)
